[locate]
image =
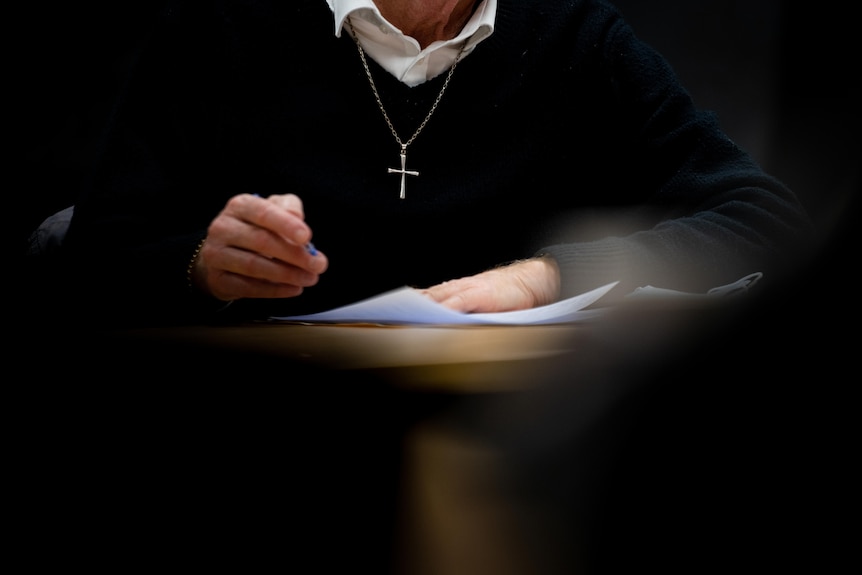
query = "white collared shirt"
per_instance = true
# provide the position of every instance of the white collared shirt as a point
(401, 55)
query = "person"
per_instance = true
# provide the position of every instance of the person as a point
(269, 158)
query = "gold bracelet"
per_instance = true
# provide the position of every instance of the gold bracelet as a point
(192, 263)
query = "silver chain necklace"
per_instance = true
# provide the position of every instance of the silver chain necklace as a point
(403, 153)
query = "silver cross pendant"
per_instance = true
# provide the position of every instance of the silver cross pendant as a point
(403, 171)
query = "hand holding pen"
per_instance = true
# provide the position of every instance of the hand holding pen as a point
(258, 248)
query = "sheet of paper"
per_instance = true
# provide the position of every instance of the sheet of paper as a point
(406, 305)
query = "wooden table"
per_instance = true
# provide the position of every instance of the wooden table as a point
(464, 358)
(408, 450)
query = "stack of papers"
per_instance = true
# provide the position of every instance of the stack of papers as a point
(406, 305)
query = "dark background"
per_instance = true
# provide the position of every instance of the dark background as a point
(766, 408)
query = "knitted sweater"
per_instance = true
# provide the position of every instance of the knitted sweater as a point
(561, 134)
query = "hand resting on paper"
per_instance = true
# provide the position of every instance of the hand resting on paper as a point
(520, 285)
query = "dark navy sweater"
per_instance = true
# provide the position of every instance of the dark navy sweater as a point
(561, 134)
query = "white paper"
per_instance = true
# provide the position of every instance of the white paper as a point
(406, 305)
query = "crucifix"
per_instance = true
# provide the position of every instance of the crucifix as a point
(403, 171)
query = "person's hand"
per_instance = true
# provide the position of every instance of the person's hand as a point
(520, 285)
(256, 248)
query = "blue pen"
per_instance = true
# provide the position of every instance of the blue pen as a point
(309, 247)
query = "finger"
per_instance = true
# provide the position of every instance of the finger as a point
(464, 295)
(290, 202)
(443, 290)
(293, 203)
(258, 225)
(280, 215)
(226, 233)
(228, 286)
(256, 266)
(234, 273)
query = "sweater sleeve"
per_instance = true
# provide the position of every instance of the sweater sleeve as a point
(711, 213)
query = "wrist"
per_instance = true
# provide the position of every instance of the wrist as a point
(545, 279)
(192, 270)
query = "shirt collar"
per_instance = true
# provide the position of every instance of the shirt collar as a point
(479, 27)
